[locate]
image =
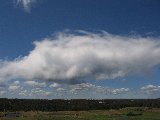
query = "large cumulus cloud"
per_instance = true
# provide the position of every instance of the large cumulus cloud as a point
(73, 56)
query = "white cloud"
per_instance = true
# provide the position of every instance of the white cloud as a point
(38, 92)
(60, 89)
(36, 84)
(54, 85)
(119, 91)
(16, 83)
(74, 56)
(150, 89)
(26, 4)
(86, 88)
(47, 93)
(96, 89)
(23, 92)
(81, 87)
(14, 87)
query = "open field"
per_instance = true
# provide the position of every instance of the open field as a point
(122, 114)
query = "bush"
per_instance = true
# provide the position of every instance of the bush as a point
(133, 114)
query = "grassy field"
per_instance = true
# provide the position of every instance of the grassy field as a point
(122, 114)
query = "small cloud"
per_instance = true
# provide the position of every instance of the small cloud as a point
(14, 87)
(60, 89)
(23, 93)
(48, 93)
(16, 83)
(36, 84)
(119, 91)
(150, 89)
(54, 85)
(34, 92)
(81, 87)
(27, 4)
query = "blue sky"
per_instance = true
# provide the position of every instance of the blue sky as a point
(22, 22)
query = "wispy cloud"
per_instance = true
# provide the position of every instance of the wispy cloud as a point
(36, 84)
(27, 4)
(119, 91)
(74, 56)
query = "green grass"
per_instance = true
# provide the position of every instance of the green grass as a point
(123, 114)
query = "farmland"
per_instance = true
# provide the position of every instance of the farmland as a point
(121, 114)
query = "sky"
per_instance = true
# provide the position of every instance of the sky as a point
(79, 49)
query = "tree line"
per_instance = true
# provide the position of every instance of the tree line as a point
(73, 105)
